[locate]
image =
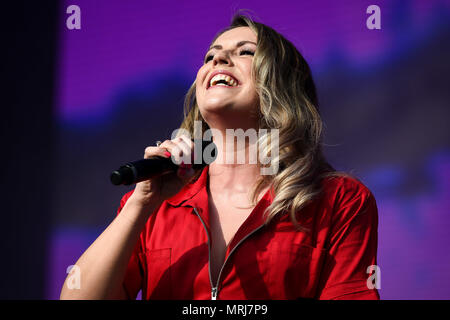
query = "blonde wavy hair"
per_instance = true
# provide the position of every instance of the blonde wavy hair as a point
(288, 102)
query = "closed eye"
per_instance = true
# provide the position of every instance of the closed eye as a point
(246, 52)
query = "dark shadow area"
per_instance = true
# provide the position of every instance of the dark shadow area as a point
(27, 144)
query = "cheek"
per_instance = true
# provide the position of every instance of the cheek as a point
(198, 90)
(248, 72)
(200, 79)
(251, 89)
(201, 74)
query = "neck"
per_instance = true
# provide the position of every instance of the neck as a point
(235, 168)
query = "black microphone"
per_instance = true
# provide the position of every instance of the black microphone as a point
(144, 169)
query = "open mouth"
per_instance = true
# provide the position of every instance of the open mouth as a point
(222, 80)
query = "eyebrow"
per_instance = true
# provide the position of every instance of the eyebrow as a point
(240, 43)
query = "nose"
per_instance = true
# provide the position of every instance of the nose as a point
(221, 58)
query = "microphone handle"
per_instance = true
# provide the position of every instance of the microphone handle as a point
(140, 170)
(144, 169)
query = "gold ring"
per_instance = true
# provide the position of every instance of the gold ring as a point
(158, 143)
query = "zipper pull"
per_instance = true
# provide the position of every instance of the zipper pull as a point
(214, 293)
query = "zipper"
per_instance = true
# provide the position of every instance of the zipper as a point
(215, 289)
(213, 293)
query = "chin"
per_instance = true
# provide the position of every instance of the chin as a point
(215, 105)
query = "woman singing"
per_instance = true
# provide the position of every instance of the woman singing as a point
(232, 230)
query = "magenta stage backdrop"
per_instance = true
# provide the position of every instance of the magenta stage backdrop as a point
(384, 98)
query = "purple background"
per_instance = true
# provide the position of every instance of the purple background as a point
(384, 98)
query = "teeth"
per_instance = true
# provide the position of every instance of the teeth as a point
(230, 81)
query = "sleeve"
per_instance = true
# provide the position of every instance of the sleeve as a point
(352, 249)
(132, 282)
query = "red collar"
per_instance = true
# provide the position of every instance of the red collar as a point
(187, 195)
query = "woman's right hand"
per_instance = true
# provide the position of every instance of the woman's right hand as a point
(160, 188)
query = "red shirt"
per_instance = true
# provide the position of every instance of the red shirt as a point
(273, 261)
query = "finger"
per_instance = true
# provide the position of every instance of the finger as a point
(190, 145)
(175, 151)
(179, 150)
(188, 141)
(152, 151)
(186, 147)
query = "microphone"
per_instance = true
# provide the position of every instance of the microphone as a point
(144, 169)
